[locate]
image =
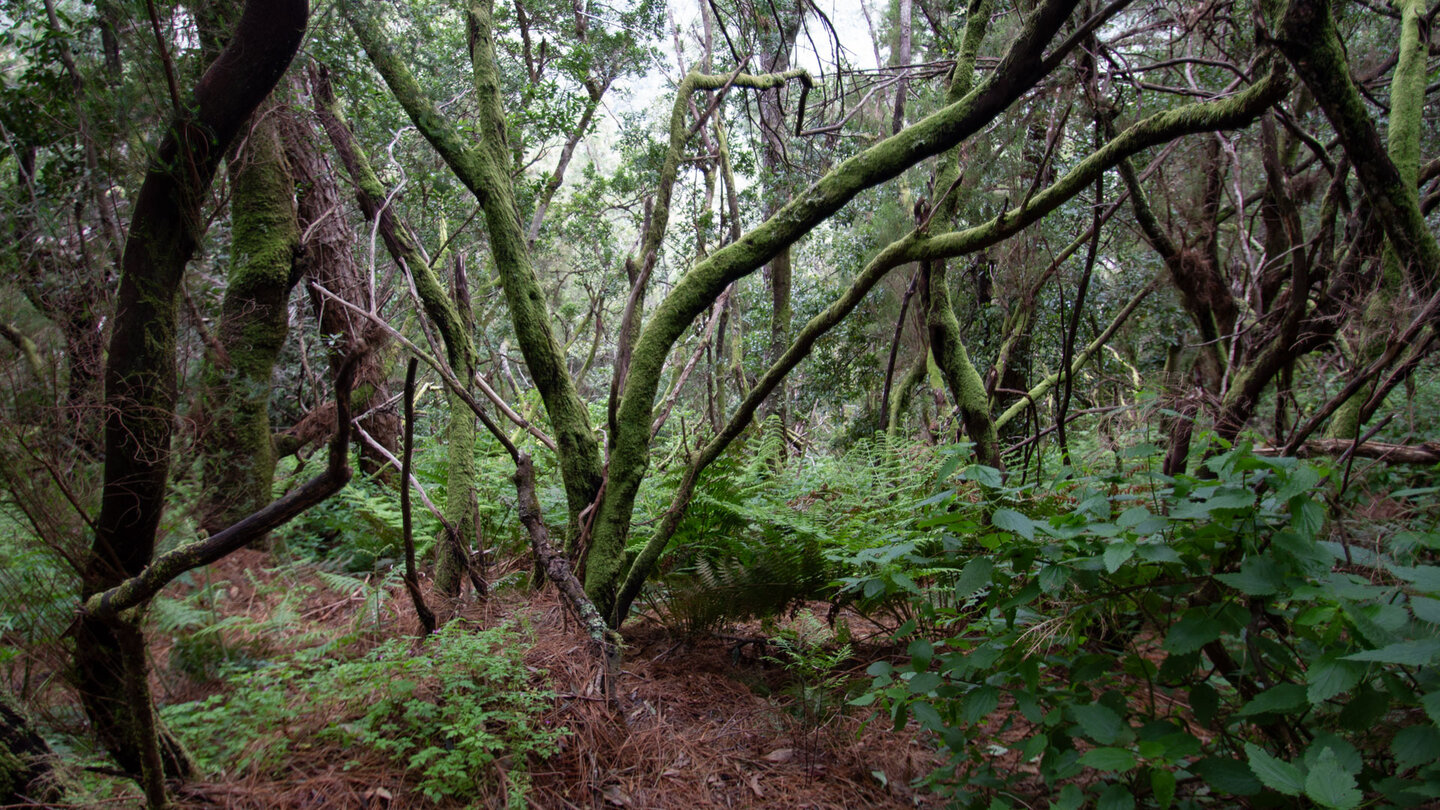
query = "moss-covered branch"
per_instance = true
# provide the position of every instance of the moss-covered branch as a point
(1308, 38)
(485, 170)
(1018, 71)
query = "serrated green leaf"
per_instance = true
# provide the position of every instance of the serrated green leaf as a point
(1117, 555)
(1162, 787)
(983, 475)
(1053, 578)
(1277, 699)
(1071, 798)
(976, 575)
(1328, 678)
(1258, 576)
(923, 683)
(1307, 517)
(926, 716)
(1431, 703)
(1099, 722)
(1328, 785)
(1300, 481)
(1425, 609)
(1276, 774)
(1229, 776)
(1012, 521)
(1193, 631)
(1415, 746)
(1424, 577)
(1350, 760)
(1115, 797)
(1416, 653)
(979, 704)
(1108, 759)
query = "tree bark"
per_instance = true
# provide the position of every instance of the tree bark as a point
(140, 377)
(237, 458)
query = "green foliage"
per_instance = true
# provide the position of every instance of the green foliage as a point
(457, 713)
(761, 532)
(358, 529)
(1176, 640)
(814, 665)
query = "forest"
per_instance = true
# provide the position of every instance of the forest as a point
(719, 403)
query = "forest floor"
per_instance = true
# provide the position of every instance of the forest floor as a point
(709, 722)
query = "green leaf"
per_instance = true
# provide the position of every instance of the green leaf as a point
(1117, 555)
(1193, 631)
(1307, 517)
(1406, 653)
(1070, 798)
(985, 476)
(1415, 746)
(979, 704)
(1226, 775)
(1258, 576)
(1012, 521)
(924, 683)
(1425, 609)
(1329, 785)
(1425, 577)
(1115, 797)
(926, 716)
(1205, 701)
(1108, 759)
(1277, 699)
(1276, 774)
(1099, 722)
(1328, 678)
(1350, 760)
(976, 575)
(1162, 786)
(1431, 702)
(1299, 482)
(1053, 578)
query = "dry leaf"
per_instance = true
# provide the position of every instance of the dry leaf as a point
(780, 755)
(614, 795)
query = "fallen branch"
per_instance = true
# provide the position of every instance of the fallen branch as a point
(1423, 453)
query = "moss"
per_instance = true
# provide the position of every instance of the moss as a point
(239, 461)
(460, 508)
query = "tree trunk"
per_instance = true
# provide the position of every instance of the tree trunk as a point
(140, 378)
(237, 457)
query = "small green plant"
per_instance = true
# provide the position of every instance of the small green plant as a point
(457, 712)
(818, 687)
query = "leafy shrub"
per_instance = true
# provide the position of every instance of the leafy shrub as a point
(456, 712)
(1167, 642)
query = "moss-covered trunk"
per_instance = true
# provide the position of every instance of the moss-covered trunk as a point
(1402, 144)
(140, 376)
(237, 457)
(946, 342)
(327, 256)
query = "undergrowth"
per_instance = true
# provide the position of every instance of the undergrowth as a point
(1145, 640)
(459, 712)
